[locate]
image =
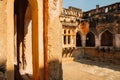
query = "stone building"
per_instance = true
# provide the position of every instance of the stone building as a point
(101, 28)
(104, 24)
(69, 19)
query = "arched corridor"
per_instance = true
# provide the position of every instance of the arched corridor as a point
(26, 38)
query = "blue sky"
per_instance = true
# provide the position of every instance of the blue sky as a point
(87, 4)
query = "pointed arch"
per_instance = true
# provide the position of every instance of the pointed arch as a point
(90, 39)
(78, 40)
(107, 38)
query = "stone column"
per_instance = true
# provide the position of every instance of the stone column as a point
(83, 41)
(35, 53)
(54, 40)
(41, 41)
(10, 39)
(3, 39)
(35, 38)
(74, 40)
(97, 43)
(75, 31)
(71, 40)
(62, 39)
(117, 41)
(99, 40)
(66, 37)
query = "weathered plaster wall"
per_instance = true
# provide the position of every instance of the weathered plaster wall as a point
(10, 39)
(3, 26)
(3, 36)
(54, 41)
(102, 55)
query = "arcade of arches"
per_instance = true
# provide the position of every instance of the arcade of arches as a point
(102, 34)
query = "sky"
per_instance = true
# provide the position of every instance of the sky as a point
(86, 5)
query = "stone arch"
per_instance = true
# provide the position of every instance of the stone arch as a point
(107, 38)
(35, 54)
(90, 39)
(23, 19)
(78, 40)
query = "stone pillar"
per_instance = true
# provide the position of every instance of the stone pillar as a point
(66, 37)
(35, 52)
(54, 40)
(99, 40)
(117, 41)
(97, 43)
(62, 39)
(41, 41)
(35, 38)
(75, 31)
(66, 40)
(71, 40)
(10, 39)
(84, 41)
(74, 40)
(3, 39)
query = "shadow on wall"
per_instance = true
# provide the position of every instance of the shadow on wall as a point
(2, 70)
(75, 53)
(17, 75)
(78, 53)
(55, 70)
(67, 52)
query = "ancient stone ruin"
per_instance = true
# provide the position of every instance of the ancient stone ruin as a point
(37, 35)
(93, 34)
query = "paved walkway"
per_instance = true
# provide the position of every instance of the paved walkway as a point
(90, 70)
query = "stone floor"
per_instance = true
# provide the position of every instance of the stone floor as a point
(90, 70)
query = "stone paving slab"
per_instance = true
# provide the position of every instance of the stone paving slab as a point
(90, 70)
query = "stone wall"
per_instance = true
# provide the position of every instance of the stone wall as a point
(3, 39)
(10, 40)
(102, 55)
(54, 41)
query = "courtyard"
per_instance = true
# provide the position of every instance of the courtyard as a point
(90, 70)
